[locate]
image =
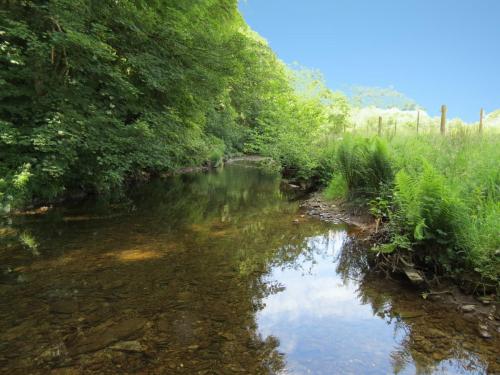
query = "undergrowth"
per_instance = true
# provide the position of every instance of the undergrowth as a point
(439, 198)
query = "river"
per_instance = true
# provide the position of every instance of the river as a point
(213, 273)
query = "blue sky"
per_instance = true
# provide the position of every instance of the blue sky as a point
(434, 51)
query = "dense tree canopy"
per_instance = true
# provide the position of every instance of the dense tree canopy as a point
(95, 92)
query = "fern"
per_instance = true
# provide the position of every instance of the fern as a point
(429, 212)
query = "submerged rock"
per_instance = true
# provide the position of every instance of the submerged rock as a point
(163, 325)
(104, 335)
(409, 314)
(113, 285)
(129, 346)
(485, 301)
(434, 333)
(67, 306)
(53, 354)
(438, 356)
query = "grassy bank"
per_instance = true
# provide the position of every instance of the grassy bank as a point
(437, 199)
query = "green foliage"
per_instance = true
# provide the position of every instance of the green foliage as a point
(427, 204)
(481, 238)
(430, 215)
(94, 93)
(380, 206)
(297, 122)
(364, 164)
(13, 187)
(438, 195)
(326, 158)
(336, 188)
(446, 202)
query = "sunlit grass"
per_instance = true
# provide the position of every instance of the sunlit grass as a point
(443, 203)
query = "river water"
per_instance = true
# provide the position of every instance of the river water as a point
(211, 274)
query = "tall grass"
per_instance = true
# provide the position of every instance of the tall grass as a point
(440, 196)
(364, 165)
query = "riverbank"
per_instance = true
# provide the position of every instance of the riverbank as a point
(483, 310)
(38, 207)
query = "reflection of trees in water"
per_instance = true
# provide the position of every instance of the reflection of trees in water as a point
(204, 293)
(352, 263)
(427, 336)
(228, 231)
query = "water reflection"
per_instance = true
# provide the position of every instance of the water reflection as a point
(332, 319)
(209, 274)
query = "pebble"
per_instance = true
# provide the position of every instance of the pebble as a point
(107, 333)
(484, 334)
(438, 356)
(434, 332)
(468, 308)
(483, 331)
(485, 301)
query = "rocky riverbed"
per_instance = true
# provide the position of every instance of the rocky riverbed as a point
(218, 273)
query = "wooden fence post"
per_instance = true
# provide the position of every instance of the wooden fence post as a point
(395, 126)
(443, 119)
(481, 114)
(379, 126)
(418, 120)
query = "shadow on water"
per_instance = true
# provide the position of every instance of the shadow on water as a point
(209, 274)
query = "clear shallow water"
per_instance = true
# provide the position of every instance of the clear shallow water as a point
(209, 274)
(329, 322)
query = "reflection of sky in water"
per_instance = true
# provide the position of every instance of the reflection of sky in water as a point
(186, 252)
(322, 326)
